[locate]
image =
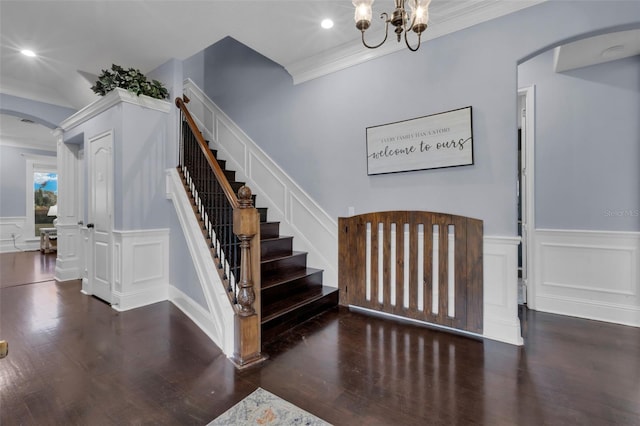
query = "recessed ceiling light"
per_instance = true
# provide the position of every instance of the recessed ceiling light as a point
(326, 23)
(29, 53)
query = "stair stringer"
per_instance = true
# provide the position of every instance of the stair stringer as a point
(217, 321)
(314, 231)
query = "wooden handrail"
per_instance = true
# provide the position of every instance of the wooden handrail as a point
(246, 227)
(215, 167)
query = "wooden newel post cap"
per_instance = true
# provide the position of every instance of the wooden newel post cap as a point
(244, 220)
(244, 197)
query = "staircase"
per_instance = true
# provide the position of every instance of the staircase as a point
(291, 292)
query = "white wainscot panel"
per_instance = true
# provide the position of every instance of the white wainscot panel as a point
(117, 265)
(13, 227)
(312, 231)
(202, 114)
(145, 262)
(234, 147)
(267, 185)
(141, 271)
(500, 265)
(588, 274)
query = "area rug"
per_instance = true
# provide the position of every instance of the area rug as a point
(264, 408)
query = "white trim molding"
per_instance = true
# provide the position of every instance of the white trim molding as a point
(500, 262)
(527, 190)
(299, 215)
(217, 321)
(199, 315)
(588, 274)
(113, 98)
(140, 268)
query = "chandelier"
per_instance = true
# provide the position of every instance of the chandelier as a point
(404, 21)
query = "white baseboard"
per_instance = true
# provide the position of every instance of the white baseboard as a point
(68, 274)
(140, 268)
(589, 309)
(136, 299)
(199, 315)
(501, 320)
(588, 274)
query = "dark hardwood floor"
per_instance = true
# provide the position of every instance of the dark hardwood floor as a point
(74, 360)
(26, 268)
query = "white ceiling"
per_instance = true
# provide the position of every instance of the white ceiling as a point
(73, 38)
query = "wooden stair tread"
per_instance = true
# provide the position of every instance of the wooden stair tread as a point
(285, 278)
(293, 292)
(299, 300)
(281, 256)
(279, 237)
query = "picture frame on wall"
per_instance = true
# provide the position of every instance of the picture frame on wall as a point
(431, 142)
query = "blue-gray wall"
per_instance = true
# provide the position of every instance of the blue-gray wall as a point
(587, 144)
(170, 74)
(139, 144)
(182, 272)
(316, 130)
(13, 179)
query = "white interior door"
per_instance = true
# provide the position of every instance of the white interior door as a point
(100, 215)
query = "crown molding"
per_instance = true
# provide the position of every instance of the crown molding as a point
(111, 99)
(353, 53)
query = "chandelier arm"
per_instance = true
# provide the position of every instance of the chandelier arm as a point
(406, 40)
(384, 16)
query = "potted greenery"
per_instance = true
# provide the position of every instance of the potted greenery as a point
(132, 80)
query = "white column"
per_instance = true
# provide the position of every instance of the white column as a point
(69, 259)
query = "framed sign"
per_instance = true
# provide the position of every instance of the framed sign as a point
(431, 142)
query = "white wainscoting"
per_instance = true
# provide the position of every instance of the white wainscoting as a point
(218, 320)
(140, 268)
(588, 274)
(16, 226)
(314, 230)
(501, 320)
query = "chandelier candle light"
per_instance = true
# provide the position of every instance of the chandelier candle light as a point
(404, 21)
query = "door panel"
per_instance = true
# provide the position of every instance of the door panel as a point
(100, 214)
